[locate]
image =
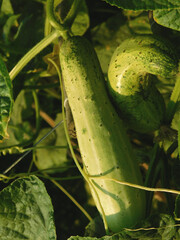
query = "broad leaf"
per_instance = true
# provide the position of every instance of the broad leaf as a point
(168, 18)
(53, 153)
(145, 4)
(26, 211)
(6, 99)
(81, 22)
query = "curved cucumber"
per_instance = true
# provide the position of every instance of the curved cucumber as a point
(131, 80)
(104, 145)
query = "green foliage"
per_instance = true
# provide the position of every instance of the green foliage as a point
(162, 227)
(26, 211)
(6, 7)
(168, 18)
(36, 92)
(81, 22)
(145, 5)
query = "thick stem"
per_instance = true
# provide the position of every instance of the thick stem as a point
(33, 52)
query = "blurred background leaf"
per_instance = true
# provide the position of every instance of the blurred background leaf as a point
(49, 157)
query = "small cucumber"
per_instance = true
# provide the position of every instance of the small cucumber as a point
(131, 76)
(104, 146)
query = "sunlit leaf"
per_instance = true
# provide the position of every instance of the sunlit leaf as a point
(6, 7)
(26, 211)
(168, 18)
(81, 22)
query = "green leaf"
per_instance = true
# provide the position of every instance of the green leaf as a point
(6, 97)
(51, 155)
(168, 18)
(6, 7)
(140, 25)
(167, 228)
(145, 4)
(81, 22)
(26, 211)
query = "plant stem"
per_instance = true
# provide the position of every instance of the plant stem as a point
(53, 20)
(71, 198)
(33, 52)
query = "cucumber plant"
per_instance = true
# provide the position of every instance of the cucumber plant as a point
(108, 155)
(131, 80)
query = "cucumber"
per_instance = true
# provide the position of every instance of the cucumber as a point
(104, 145)
(131, 80)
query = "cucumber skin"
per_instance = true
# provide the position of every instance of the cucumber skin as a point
(104, 145)
(130, 80)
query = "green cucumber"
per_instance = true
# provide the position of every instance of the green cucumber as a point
(104, 146)
(131, 76)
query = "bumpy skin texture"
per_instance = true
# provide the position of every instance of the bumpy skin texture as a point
(131, 80)
(104, 145)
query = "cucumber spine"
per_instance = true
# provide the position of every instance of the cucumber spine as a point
(103, 142)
